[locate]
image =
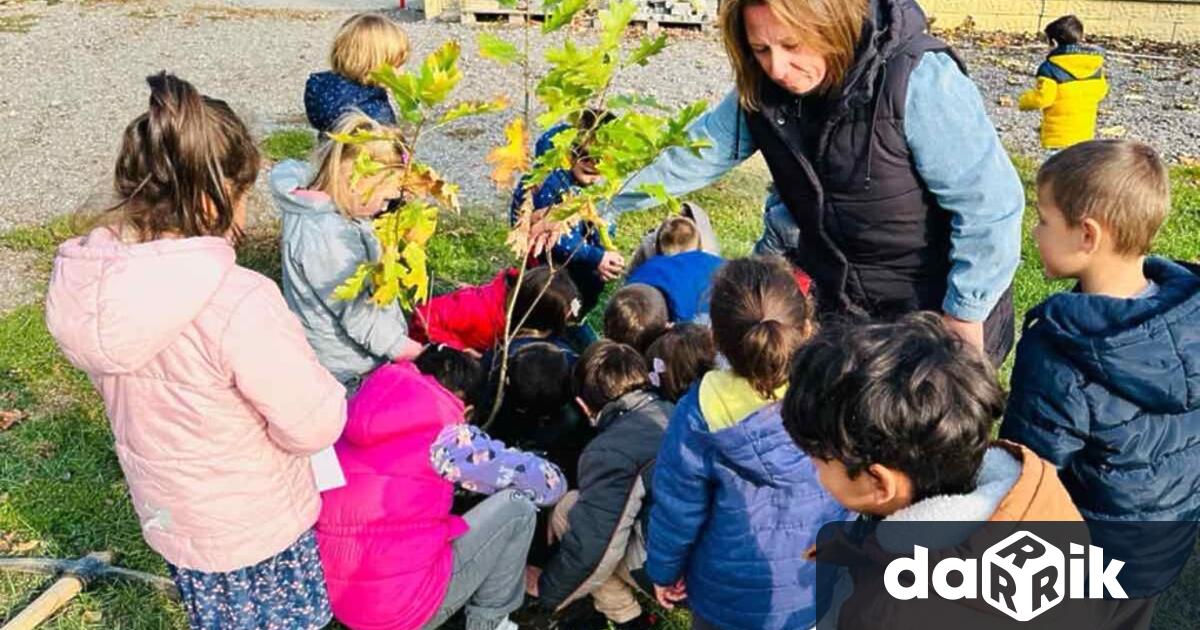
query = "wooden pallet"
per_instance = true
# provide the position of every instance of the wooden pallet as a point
(473, 11)
(653, 24)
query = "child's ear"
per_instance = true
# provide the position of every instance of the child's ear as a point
(1092, 236)
(890, 488)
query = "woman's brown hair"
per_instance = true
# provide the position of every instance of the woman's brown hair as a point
(831, 27)
(183, 165)
(759, 319)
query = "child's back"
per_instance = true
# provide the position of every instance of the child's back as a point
(384, 535)
(1070, 86)
(735, 500)
(215, 399)
(213, 394)
(684, 280)
(363, 43)
(326, 234)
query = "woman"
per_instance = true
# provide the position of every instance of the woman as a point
(892, 189)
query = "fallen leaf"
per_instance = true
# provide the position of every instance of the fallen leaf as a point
(1115, 131)
(1005, 101)
(10, 417)
(93, 616)
(1187, 107)
(1135, 97)
(25, 547)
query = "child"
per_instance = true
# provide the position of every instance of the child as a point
(679, 358)
(636, 315)
(395, 557)
(470, 318)
(588, 263)
(364, 43)
(215, 399)
(600, 528)
(734, 499)
(680, 269)
(897, 419)
(648, 248)
(538, 413)
(326, 234)
(1070, 86)
(1102, 376)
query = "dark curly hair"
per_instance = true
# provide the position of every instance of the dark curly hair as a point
(907, 395)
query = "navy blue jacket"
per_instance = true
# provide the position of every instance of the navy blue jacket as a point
(1109, 391)
(734, 511)
(583, 239)
(684, 280)
(328, 95)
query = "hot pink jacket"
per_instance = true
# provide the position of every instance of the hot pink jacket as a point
(214, 396)
(385, 537)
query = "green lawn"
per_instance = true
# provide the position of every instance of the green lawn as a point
(62, 494)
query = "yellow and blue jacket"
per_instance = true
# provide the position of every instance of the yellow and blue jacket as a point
(1070, 86)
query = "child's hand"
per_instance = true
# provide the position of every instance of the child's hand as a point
(532, 575)
(611, 266)
(668, 596)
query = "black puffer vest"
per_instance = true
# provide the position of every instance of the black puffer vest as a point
(872, 236)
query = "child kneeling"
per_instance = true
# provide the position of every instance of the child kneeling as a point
(394, 555)
(601, 527)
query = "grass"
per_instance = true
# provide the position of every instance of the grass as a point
(63, 495)
(284, 144)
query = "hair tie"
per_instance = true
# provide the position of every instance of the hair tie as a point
(660, 367)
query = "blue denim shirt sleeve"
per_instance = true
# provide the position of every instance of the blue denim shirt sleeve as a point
(959, 156)
(680, 171)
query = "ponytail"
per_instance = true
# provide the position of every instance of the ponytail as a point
(183, 164)
(759, 319)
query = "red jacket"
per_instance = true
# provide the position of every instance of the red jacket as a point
(469, 318)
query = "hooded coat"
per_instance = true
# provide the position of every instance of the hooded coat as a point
(385, 537)
(1070, 86)
(736, 504)
(214, 396)
(320, 249)
(1108, 390)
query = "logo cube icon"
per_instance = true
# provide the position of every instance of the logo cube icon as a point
(1024, 576)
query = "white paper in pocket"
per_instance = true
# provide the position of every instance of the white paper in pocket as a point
(327, 470)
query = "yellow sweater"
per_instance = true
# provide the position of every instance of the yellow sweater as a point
(1070, 86)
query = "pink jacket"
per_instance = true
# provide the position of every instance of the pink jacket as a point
(214, 396)
(385, 536)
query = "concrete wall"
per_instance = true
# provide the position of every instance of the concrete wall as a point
(1177, 21)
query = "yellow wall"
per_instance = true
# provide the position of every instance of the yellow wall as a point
(1162, 21)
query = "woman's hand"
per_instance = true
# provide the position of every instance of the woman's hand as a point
(969, 332)
(668, 596)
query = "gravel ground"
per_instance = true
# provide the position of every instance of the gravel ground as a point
(75, 78)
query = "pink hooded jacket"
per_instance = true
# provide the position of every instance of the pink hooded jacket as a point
(385, 537)
(214, 396)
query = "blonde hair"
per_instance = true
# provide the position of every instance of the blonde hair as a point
(335, 161)
(365, 42)
(677, 235)
(830, 27)
(1122, 184)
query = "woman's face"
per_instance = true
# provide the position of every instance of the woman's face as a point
(789, 62)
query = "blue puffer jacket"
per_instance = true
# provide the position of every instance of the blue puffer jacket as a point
(1109, 391)
(734, 511)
